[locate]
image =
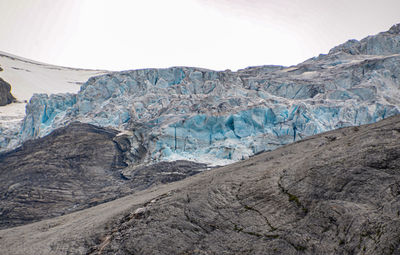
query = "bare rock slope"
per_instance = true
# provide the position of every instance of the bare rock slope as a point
(73, 168)
(333, 193)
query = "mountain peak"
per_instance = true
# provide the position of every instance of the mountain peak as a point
(395, 29)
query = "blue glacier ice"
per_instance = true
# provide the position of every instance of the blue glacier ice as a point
(219, 117)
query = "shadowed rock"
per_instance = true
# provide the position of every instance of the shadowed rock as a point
(75, 167)
(5, 93)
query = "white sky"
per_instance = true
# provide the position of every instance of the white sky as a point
(215, 34)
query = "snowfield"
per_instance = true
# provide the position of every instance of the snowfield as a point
(28, 77)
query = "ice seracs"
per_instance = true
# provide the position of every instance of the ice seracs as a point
(27, 77)
(221, 117)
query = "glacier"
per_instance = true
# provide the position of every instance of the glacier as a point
(219, 117)
(27, 77)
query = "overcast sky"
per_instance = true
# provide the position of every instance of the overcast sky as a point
(215, 34)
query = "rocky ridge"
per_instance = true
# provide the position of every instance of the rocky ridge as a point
(333, 193)
(74, 168)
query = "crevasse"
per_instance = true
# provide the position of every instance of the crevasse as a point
(221, 117)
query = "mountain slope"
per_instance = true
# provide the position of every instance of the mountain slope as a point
(333, 193)
(71, 169)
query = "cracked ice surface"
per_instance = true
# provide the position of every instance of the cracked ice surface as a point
(221, 117)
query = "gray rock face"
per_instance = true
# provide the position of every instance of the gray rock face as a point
(5, 93)
(73, 168)
(337, 193)
(333, 193)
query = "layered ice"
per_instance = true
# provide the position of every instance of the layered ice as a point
(221, 117)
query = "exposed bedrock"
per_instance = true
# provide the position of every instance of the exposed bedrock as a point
(336, 193)
(5, 93)
(73, 168)
(333, 193)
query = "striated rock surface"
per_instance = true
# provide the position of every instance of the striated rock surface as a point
(5, 93)
(73, 168)
(222, 117)
(333, 193)
(337, 193)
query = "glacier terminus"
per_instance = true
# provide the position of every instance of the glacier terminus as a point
(219, 117)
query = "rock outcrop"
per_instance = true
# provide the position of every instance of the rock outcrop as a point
(333, 193)
(5, 93)
(73, 168)
(337, 193)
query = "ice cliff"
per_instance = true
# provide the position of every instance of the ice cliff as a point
(221, 117)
